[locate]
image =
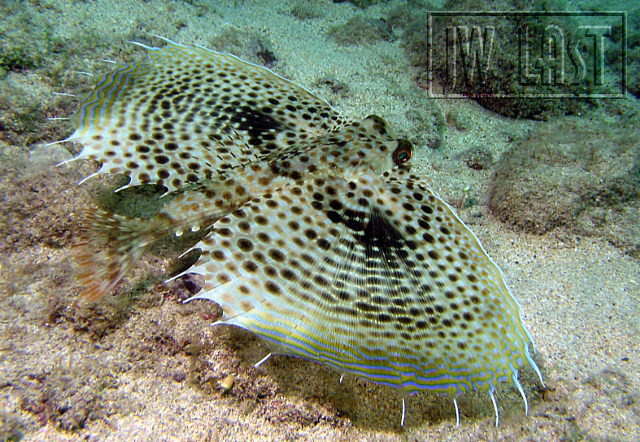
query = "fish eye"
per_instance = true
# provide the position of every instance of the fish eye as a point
(402, 154)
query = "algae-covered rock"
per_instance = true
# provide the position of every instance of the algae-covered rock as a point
(307, 9)
(361, 31)
(576, 175)
(249, 45)
(360, 3)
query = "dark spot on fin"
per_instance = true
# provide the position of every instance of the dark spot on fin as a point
(255, 123)
(373, 230)
(380, 236)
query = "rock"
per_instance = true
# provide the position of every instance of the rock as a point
(574, 175)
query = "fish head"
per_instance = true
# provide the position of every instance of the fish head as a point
(366, 147)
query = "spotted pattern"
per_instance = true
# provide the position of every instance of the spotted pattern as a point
(190, 114)
(321, 240)
(374, 276)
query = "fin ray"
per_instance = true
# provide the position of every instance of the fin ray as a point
(326, 286)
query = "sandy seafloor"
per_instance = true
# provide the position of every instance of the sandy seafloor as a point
(147, 368)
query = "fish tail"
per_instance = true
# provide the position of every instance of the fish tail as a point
(110, 247)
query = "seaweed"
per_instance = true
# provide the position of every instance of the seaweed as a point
(16, 59)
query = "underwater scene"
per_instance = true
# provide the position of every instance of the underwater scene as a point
(337, 220)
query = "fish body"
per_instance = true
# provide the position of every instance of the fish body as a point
(320, 239)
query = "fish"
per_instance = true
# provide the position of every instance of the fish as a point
(318, 238)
